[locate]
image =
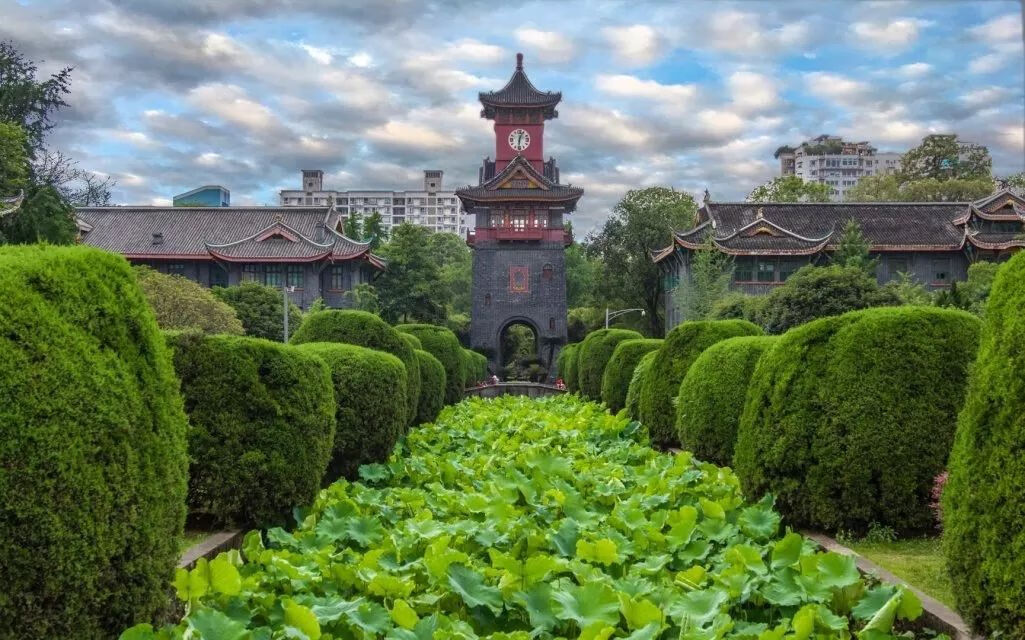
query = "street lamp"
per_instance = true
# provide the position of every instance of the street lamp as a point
(285, 290)
(615, 314)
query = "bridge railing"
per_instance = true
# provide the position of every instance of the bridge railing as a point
(530, 389)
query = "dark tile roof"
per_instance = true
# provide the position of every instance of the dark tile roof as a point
(492, 191)
(519, 92)
(229, 233)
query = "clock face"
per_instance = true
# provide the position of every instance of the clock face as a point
(519, 139)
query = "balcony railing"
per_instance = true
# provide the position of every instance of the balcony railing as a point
(530, 234)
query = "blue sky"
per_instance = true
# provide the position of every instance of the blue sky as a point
(170, 95)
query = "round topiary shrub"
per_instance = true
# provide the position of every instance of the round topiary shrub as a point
(365, 330)
(567, 363)
(593, 356)
(92, 447)
(984, 499)
(620, 370)
(412, 340)
(848, 419)
(369, 420)
(662, 380)
(476, 367)
(443, 345)
(633, 392)
(432, 387)
(262, 424)
(712, 394)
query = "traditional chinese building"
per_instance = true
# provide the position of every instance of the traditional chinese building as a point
(933, 242)
(519, 239)
(300, 247)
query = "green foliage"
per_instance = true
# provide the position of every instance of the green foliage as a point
(363, 297)
(374, 231)
(443, 345)
(643, 220)
(92, 447)
(971, 295)
(14, 167)
(983, 501)
(259, 308)
(411, 289)
(908, 290)
(593, 356)
(852, 249)
(413, 341)
(180, 303)
(44, 216)
(453, 258)
(620, 369)
(568, 369)
(790, 189)
(893, 188)
(262, 423)
(366, 330)
(662, 380)
(352, 228)
(710, 274)
(737, 305)
(944, 157)
(711, 397)
(636, 388)
(476, 367)
(581, 277)
(848, 419)
(459, 324)
(815, 292)
(581, 321)
(432, 386)
(26, 102)
(547, 547)
(369, 386)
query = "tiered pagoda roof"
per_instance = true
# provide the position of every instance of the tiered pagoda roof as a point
(519, 92)
(519, 181)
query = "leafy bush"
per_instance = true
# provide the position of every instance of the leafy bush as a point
(92, 447)
(633, 392)
(413, 341)
(816, 292)
(848, 419)
(432, 387)
(567, 363)
(366, 330)
(369, 420)
(983, 503)
(262, 424)
(620, 370)
(711, 397)
(662, 380)
(476, 366)
(443, 345)
(180, 303)
(738, 306)
(594, 354)
(367, 562)
(259, 307)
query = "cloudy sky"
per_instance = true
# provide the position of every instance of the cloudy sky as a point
(172, 94)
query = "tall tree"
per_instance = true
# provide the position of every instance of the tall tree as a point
(709, 282)
(80, 188)
(373, 230)
(581, 276)
(14, 167)
(454, 260)
(790, 189)
(411, 289)
(352, 228)
(944, 157)
(26, 101)
(642, 221)
(44, 216)
(890, 188)
(852, 249)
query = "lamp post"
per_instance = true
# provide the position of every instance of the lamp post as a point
(285, 290)
(609, 314)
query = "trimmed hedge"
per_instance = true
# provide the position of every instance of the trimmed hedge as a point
(432, 387)
(984, 500)
(365, 330)
(443, 345)
(848, 419)
(262, 423)
(712, 394)
(593, 356)
(476, 367)
(567, 363)
(92, 447)
(662, 380)
(369, 421)
(620, 370)
(412, 340)
(633, 392)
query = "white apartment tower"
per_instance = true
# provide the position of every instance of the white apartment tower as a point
(835, 162)
(430, 207)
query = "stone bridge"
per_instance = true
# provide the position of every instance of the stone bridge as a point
(530, 389)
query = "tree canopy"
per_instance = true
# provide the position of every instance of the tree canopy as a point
(411, 289)
(29, 102)
(259, 307)
(180, 303)
(790, 189)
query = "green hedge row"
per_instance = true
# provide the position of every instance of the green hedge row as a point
(848, 419)
(567, 365)
(711, 397)
(366, 330)
(661, 382)
(476, 366)
(984, 500)
(262, 424)
(593, 356)
(633, 392)
(620, 370)
(92, 447)
(443, 345)
(366, 385)
(432, 387)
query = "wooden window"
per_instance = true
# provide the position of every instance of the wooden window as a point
(941, 270)
(272, 275)
(787, 269)
(294, 276)
(743, 271)
(218, 276)
(766, 271)
(336, 278)
(176, 269)
(251, 273)
(547, 271)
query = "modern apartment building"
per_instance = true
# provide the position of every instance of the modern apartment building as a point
(833, 161)
(430, 207)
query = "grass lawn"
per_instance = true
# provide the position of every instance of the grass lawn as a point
(919, 561)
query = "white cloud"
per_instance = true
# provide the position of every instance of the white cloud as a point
(361, 59)
(752, 92)
(984, 96)
(890, 35)
(232, 104)
(834, 86)
(913, 70)
(720, 123)
(209, 159)
(987, 63)
(320, 54)
(637, 44)
(472, 50)
(1000, 29)
(552, 46)
(627, 86)
(399, 133)
(136, 138)
(739, 33)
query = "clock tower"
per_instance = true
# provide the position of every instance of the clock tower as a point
(519, 240)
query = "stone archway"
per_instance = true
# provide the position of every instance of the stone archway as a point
(519, 350)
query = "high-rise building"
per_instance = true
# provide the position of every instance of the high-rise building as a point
(832, 161)
(430, 207)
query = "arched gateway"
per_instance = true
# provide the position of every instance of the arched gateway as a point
(519, 241)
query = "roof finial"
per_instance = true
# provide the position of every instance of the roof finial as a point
(519, 62)
(707, 196)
